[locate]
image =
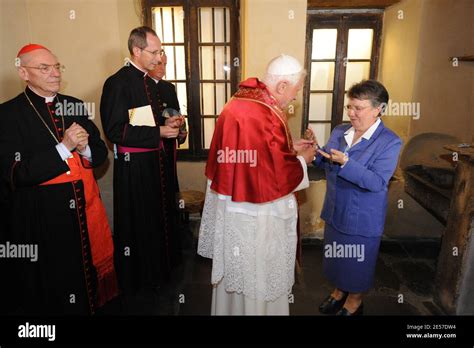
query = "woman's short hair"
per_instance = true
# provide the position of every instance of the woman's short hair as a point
(370, 90)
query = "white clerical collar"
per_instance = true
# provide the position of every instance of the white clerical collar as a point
(349, 134)
(46, 99)
(136, 66)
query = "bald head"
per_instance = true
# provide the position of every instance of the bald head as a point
(39, 69)
(160, 70)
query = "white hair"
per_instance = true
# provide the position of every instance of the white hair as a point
(283, 68)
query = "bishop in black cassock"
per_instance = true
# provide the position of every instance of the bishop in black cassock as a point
(146, 238)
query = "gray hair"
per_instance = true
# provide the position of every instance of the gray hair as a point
(293, 79)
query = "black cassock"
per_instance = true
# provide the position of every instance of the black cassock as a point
(168, 98)
(146, 239)
(6, 293)
(63, 279)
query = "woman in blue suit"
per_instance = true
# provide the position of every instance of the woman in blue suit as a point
(359, 160)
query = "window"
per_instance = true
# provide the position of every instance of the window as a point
(168, 23)
(201, 40)
(341, 49)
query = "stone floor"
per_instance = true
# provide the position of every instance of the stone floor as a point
(406, 218)
(404, 275)
(404, 282)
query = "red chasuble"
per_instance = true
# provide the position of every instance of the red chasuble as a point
(251, 157)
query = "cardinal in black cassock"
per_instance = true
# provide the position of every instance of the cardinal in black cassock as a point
(57, 250)
(146, 240)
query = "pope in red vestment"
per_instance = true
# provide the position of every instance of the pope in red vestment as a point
(249, 219)
(253, 122)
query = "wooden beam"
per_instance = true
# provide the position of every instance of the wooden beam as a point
(453, 260)
(338, 4)
(464, 58)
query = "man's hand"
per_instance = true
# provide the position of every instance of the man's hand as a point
(75, 135)
(301, 144)
(81, 147)
(335, 156)
(308, 153)
(168, 132)
(174, 121)
(182, 137)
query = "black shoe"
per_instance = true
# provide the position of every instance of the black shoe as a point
(331, 306)
(345, 312)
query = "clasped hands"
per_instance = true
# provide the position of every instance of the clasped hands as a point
(76, 137)
(305, 148)
(172, 126)
(309, 141)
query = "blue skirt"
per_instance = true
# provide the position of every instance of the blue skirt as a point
(349, 260)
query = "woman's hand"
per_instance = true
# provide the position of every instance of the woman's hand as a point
(335, 156)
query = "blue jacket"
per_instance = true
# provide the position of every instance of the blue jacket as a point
(356, 197)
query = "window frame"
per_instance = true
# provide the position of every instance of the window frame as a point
(196, 151)
(343, 21)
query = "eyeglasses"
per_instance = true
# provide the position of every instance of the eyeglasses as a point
(46, 69)
(155, 53)
(356, 108)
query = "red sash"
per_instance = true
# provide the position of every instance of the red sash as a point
(100, 235)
